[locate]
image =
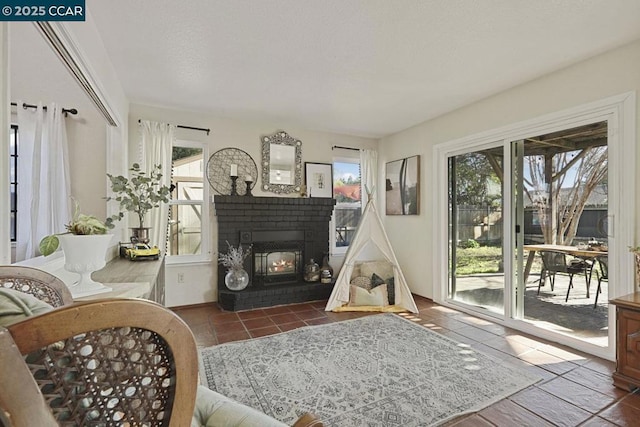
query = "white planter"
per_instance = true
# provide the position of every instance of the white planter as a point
(84, 255)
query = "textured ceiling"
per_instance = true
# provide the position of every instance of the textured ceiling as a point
(360, 67)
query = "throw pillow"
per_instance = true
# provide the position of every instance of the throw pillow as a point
(381, 268)
(377, 281)
(391, 288)
(16, 306)
(356, 270)
(361, 282)
(361, 297)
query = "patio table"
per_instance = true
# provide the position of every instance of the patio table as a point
(569, 250)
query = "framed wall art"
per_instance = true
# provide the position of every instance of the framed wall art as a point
(319, 179)
(403, 186)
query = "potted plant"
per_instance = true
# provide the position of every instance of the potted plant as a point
(636, 252)
(138, 194)
(237, 277)
(85, 245)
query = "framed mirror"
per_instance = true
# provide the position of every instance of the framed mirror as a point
(281, 163)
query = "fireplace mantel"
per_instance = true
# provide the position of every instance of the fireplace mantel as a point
(239, 215)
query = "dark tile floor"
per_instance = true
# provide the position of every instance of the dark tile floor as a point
(576, 389)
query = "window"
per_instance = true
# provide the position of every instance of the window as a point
(13, 180)
(347, 192)
(188, 213)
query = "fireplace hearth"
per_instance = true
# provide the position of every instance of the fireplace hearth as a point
(283, 233)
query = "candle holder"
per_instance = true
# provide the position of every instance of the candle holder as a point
(248, 193)
(234, 191)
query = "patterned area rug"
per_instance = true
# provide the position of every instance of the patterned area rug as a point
(380, 370)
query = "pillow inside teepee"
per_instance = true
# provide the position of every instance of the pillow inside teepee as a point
(362, 282)
(383, 269)
(376, 297)
(389, 283)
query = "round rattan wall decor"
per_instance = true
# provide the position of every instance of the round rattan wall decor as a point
(219, 170)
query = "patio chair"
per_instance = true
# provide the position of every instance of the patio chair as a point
(602, 274)
(555, 262)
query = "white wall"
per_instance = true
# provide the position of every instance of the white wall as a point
(609, 74)
(199, 281)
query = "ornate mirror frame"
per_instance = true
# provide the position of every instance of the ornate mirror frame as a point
(281, 138)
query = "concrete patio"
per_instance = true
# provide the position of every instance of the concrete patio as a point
(577, 317)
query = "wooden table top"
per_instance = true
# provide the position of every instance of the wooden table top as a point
(571, 250)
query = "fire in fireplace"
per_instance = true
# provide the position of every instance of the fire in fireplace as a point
(278, 263)
(275, 265)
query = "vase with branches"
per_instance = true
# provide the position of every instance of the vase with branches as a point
(237, 277)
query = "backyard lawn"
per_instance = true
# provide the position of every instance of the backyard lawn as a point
(482, 260)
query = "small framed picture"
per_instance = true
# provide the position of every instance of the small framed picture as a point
(319, 179)
(403, 186)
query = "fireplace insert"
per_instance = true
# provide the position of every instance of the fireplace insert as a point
(277, 256)
(276, 263)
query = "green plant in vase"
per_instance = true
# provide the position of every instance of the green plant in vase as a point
(138, 194)
(80, 225)
(636, 254)
(84, 245)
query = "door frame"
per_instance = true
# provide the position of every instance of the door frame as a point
(620, 113)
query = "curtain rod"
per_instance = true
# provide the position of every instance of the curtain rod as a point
(64, 110)
(345, 148)
(190, 127)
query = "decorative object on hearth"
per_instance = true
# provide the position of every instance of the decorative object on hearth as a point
(281, 163)
(376, 370)
(138, 194)
(85, 248)
(403, 186)
(326, 271)
(226, 163)
(311, 271)
(237, 277)
(319, 179)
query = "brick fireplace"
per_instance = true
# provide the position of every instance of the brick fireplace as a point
(284, 233)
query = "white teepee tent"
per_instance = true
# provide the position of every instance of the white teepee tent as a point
(370, 243)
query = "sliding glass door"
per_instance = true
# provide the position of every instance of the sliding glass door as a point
(562, 209)
(476, 263)
(533, 247)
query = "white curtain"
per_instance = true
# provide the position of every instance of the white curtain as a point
(44, 205)
(156, 143)
(368, 173)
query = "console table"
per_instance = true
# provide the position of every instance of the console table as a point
(627, 374)
(131, 279)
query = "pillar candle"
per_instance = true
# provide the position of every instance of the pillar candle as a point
(248, 178)
(234, 170)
